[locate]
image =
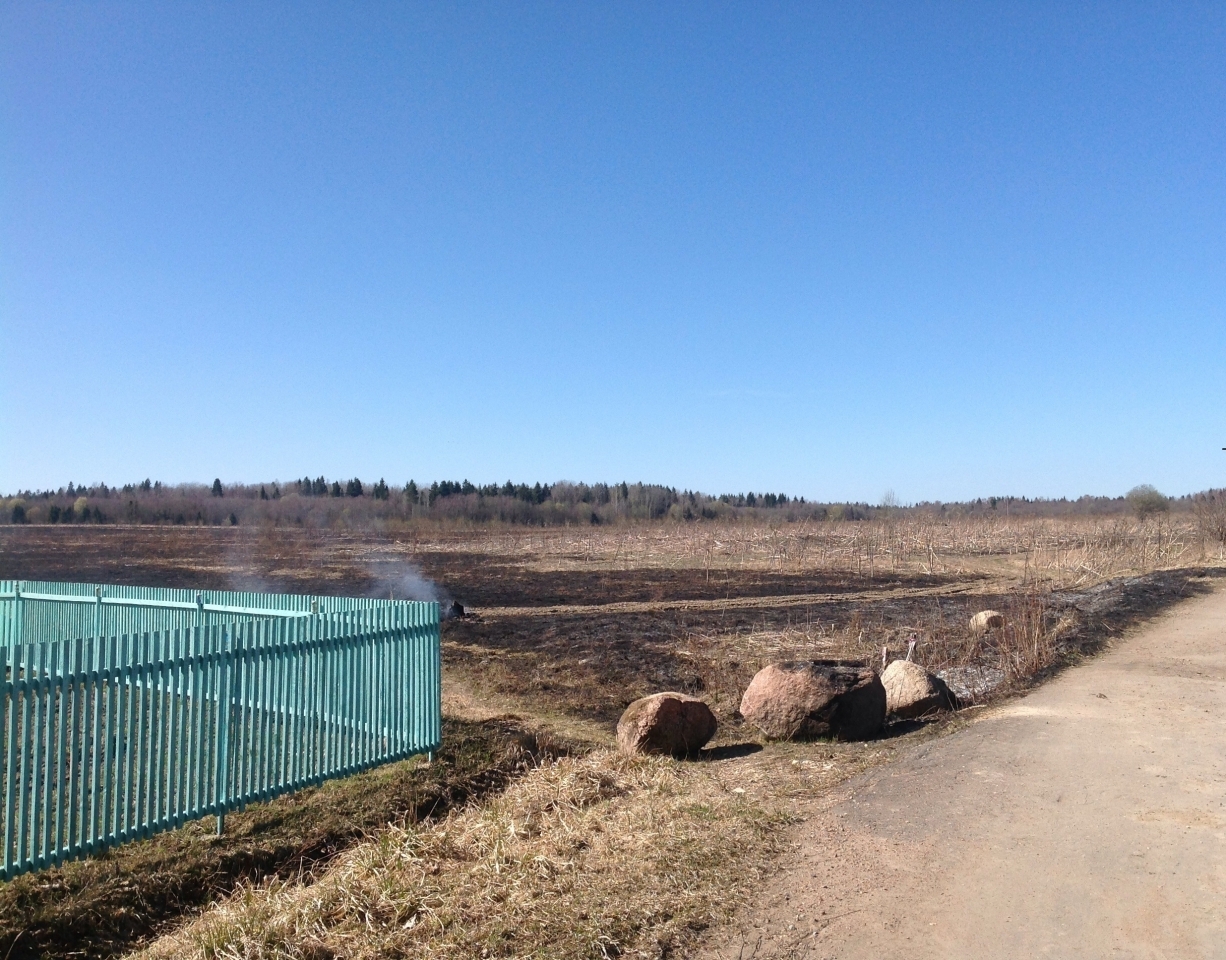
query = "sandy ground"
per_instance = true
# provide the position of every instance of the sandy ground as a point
(1087, 819)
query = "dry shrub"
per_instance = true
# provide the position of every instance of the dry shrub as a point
(980, 666)
(1210, 512)
(1024, 648)
(594, 857)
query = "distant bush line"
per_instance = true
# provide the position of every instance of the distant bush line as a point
(318, 501)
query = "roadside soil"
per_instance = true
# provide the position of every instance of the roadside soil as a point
(1086, 819)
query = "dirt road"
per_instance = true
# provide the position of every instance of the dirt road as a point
(1087, 819)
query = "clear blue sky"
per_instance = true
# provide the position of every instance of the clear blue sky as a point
(831, 249)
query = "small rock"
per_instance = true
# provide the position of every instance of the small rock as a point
(911, 691)
(986, 620)
(672, 723)
(815, 698)
(972, 682)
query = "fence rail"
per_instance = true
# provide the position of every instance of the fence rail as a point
(127, 711)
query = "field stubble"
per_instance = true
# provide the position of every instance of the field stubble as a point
(591, 855)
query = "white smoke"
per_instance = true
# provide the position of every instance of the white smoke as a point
(402, 580)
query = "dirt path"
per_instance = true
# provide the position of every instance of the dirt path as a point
(1087, 819)
(750, 602)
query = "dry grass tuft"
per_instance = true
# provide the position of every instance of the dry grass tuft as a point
(599, 856)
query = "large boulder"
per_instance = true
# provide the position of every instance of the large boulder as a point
(815, 698)
(986, 620)
(911, 691)
(673, 723)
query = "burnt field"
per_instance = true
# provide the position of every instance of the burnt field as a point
(563, 629)
(467, 566)
(579, 624)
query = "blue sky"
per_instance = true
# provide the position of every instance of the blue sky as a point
(948, 250)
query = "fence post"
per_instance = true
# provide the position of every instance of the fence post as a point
(225, 690)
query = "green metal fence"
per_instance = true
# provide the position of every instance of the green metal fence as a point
(131, 710)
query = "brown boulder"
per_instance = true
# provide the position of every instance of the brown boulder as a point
(815, 698)
(986, 620)
(673, 723)
(911, 691)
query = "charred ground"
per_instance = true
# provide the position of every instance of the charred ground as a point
(565, 629)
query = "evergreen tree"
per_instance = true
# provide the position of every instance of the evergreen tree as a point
(336, 489)
(217, 491)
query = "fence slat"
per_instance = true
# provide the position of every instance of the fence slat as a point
(9, 713)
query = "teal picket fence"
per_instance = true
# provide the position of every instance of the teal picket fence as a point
(131, 710)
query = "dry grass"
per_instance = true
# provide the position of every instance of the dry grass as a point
(600, 856)
(594, 857)
(1062, 551)
(99, 907)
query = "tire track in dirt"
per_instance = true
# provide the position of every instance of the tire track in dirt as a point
(741, 603)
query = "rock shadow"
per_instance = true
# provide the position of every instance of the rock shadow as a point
(732, 751)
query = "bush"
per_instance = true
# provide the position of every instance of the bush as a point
(1146, 501)
(1210, 511)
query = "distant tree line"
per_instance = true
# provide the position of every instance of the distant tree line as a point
(314, 501)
